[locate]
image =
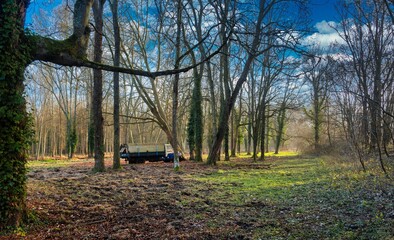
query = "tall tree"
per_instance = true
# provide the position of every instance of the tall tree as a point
(115, 22)
(230, 101)
(98, 8)
(196, 113)
(282, 35)
(15, 137)
(317, 75)
(175, 92)
(366, 29)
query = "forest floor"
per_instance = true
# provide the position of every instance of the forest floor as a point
(281, 198)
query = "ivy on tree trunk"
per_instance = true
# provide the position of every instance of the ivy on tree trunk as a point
(16, 126)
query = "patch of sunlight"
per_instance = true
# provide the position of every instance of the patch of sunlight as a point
(285, 178)
(244, 155)
(283, 154)
(270, 154)
(274, 183)
(50, 163)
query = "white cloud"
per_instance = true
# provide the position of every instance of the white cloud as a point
(325, 36)
(323, 40)
(325, 27)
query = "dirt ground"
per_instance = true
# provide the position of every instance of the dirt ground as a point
(143, 201)
(237, 200)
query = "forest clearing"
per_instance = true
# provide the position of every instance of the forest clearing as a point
(93, 82)
(298, 197)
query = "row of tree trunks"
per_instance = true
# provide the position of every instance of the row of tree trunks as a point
(229, 103)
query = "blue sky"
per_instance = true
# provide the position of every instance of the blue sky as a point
(37, 5)
(323, 16)
(323, 10)
(320, 9)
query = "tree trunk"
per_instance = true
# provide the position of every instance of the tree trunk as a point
(175, 86)
(236, 138)
(195, 127)
(227, 110)
(281, 125)
(116, 157)
(212, 102)
(226, 142)
(267, 131)
(316, 120)
(98, 89)
(16, 130)
(262, 131)
(251, 113)
(233, 135)
(230, 101)
(191, 134)
(198, 123)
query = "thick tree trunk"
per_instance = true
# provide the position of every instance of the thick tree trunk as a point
(195, 127)
(212, 103)
(196, 130)
(199, 130)
(98, 89)
(16, 130)
(191, 132)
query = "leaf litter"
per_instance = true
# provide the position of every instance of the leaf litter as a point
(241, 199)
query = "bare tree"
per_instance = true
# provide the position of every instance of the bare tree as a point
(366, 28)
(115, 19)
(98, 8)
(317, 76)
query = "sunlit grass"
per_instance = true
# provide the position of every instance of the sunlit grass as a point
(283, 154)
(275, 182)
(51, 163)
(271, 154)
(306, 188)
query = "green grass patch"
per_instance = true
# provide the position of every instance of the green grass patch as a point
(271, 154)
(283, 154)
(300, 194)
(48, 163)
(52, 163)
